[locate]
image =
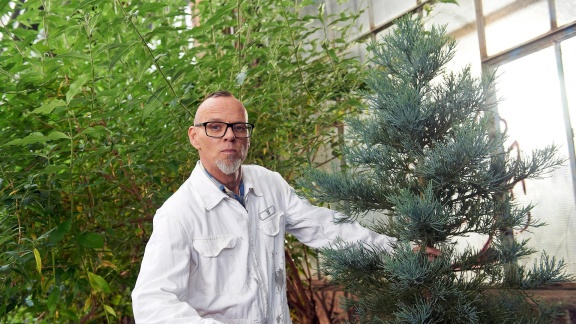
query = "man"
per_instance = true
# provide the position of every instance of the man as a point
(216, 254)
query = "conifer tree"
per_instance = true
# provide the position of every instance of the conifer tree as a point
(428, 159)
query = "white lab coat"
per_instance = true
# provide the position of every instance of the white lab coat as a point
(210, 260)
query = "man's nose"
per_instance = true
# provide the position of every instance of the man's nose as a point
(229, 134)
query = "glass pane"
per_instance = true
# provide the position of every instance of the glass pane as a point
(334, 7)
(385, 32)
(385, 11)
(568, 48)
(460, 21)
(364, 19)
(565, 11)
(510, 23)
(532, 109)
(361, 7)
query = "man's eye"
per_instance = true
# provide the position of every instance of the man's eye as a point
(240, 128)
(215, 127)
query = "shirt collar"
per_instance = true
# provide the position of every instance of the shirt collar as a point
(222, 188)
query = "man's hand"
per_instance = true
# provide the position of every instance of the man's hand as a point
(431, 252)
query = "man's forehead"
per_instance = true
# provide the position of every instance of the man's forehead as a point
(221, 107)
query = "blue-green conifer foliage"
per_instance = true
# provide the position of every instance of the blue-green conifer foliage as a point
(428, 164)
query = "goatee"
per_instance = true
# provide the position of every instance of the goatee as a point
(229, 167)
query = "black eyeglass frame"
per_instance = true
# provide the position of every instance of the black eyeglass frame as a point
(228, 125)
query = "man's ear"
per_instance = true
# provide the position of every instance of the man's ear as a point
(193, 137)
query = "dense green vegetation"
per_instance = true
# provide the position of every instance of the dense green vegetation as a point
(96, 98)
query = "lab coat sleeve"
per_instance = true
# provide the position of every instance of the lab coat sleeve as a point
(162, 286)
(316, 227)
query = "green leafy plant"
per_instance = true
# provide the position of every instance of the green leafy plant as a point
(96, 99)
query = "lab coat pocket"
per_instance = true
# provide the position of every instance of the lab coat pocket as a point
(271, 226)
(222, 264)
(210, 247)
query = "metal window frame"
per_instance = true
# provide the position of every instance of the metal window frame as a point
(552, 38)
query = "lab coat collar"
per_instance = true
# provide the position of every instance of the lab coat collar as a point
(210, 194)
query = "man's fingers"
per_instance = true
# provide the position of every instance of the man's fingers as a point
(429, 250)
(433, 251)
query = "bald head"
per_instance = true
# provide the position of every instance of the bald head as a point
(212, 100)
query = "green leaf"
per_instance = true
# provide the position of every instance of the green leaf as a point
(38, 260)
(87, 4)
(107, 47)
(33, 138)
(91, 241)
(124, 50)
(74, 55)
(150, 107)
(4, 4)
(98, 283)
(220, 12)
(159, 30)
(69, 315)
(95, 131)
(333, 55)
(153, 102)
(53, 298)
(57, 135)
(151, 7)
(61, 231)
(48, 107)
(51, 169)
(37, 137)
(76, 86)
(110, 310)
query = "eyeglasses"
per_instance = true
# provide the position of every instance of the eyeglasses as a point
(218, 129)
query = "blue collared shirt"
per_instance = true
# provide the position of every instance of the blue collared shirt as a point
(230, 193)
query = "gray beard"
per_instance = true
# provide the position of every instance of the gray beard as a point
(229, 167)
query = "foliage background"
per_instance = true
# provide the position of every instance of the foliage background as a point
(96, 98)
